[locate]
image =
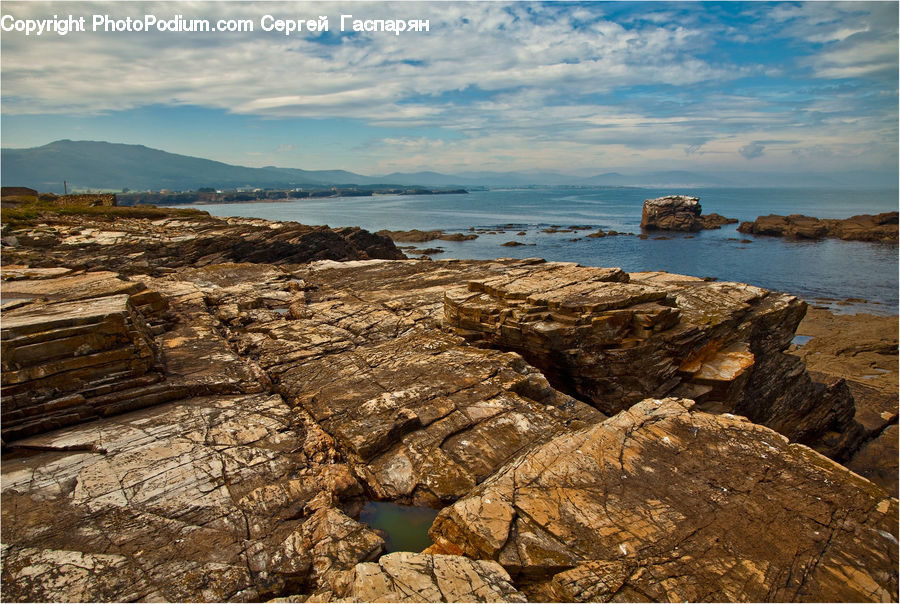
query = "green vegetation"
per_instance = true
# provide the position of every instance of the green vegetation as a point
(29, 213)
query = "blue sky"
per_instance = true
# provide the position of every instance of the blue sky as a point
(579, 88)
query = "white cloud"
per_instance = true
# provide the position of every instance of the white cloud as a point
(517, 81)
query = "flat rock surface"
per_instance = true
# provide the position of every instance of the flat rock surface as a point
(196, 500)
(409, 577)
(662, 502)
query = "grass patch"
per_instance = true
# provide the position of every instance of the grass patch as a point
(29, 213)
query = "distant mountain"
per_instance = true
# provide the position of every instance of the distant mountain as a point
(114, 166)
(101, 165)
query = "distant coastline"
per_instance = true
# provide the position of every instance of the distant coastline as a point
(213, 196)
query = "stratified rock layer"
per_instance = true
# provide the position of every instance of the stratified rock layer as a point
(663, 503)
(863, 227)
(202, 499)
(280, 397)
(678, 213)
(612, 339)
(408, 577)
(140, 246)
(54, 354)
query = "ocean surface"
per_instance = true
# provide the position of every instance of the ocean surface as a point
(825, 271)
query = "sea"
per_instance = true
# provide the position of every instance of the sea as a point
(846, 276)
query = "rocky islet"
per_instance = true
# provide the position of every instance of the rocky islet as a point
(679, 213)
(863, 227)
(276, 395)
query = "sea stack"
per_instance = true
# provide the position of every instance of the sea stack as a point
(671, 213)
(679, 213)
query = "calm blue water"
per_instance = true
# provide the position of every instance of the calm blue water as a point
(812, 269)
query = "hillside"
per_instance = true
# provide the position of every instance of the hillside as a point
(102, 165)
(114, 166)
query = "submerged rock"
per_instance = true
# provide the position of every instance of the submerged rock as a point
(417, 236)
(662, 502)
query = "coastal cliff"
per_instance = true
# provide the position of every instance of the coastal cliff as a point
(196, 409)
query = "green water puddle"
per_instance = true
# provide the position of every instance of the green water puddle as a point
(405, 525)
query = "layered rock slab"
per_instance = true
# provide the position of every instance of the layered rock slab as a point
(613, 338)
(212, 498)
(54, 353)
(140, 246)
(679, 213)
(420, 416)
(662, 502)
(425, 419)
(410, 577)
(88, 345)
(863, 227)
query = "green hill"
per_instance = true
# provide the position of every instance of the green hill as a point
(112, 166)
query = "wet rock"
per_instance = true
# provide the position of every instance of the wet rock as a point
(664, 502)
(716, 221)
(409, 577)
(863, 227)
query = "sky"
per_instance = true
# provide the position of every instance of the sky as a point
(575, 88)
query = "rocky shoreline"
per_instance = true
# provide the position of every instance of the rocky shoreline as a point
(864, 227)
(197, 408)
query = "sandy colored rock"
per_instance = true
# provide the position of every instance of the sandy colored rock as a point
(196, 500)
(282, 396)
(409, 577)
(662, 502)
(862, 349)
(54, 354)
(613, 338)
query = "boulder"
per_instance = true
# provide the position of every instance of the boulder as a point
(663, 502)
